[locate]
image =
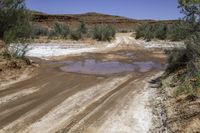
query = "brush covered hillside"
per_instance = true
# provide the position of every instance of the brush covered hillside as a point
(91, 19)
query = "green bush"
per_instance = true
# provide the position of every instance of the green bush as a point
(193, 53)
(17, 30)
(175, 32)
(148, 35)
(178, 31)
(197, 83)
(145, 31)
(14, 20)
(188, 57)
(82, 28)
(52, 34)
(161, 31)
(15, 27)
(185, 88)
(60, 30)
(76, 35)
(39, 31)
(190, 86)
(177, 58)
(103, 33)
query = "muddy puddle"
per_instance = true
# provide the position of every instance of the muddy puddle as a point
(110, 63)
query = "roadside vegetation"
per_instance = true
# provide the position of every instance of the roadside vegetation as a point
(15, 34)
(174, 32)
(61, 31)
(103, 33)
(186, 61)
(17, 30)
(15, 27)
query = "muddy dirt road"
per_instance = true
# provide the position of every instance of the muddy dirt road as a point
(92, 93)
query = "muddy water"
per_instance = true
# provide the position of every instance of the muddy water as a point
(121, 62)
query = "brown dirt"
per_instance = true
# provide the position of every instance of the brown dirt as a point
(88, 98)
(178, 114)
(12, 69)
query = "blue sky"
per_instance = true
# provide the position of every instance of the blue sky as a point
(138, 9)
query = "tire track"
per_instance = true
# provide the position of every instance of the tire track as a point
(44, 100)
(94, 105)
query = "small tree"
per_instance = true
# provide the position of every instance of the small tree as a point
(191, 9)
(14, 22)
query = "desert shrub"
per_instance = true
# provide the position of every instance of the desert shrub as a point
(140, 31)
(15, 25)
(52, 34)
(197, 82)
(103, 33)
(161, 31)
(193, 53)
(177, 58)
(39, 31)
(185, 88)
(82, 28)
(189, 85)
(188, 57)
(59, 30)
(146, 32)
(191, 56)
(174, 32)
(14, 20)
(178, 31)
(148, 35)
(76, 35)
(20, 30)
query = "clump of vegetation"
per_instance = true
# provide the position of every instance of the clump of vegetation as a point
(175, 32)
(80, 32)
(76, 35)
(103, 33)
(63, 31)
(15, 25)
(39, 31)
(143, 31)
(190, 86)
(190, 57)
(178, 31)
(100, 33)
(59, 30)
(82, 28)
(177, 58)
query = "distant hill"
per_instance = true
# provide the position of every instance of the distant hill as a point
(91, 19)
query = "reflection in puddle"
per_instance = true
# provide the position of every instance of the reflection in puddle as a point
(92, 66)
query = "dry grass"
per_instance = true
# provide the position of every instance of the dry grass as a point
(183, 110)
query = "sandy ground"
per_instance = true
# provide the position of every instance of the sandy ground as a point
(57, 101)
(77, 103)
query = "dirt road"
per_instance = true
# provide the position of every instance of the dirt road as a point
(76, 99)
